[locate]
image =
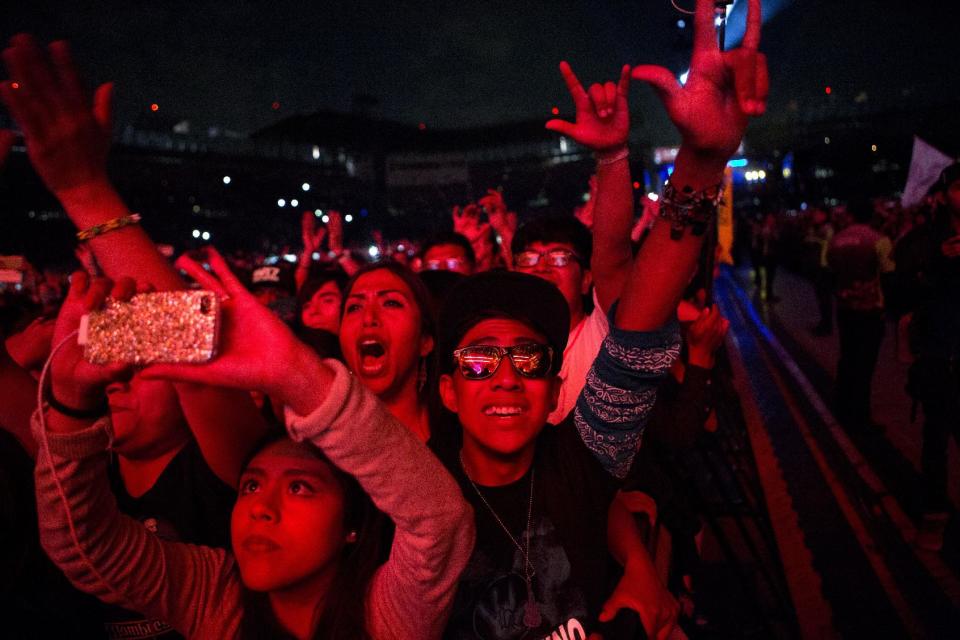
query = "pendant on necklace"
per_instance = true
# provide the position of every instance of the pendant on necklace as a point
(531, 611)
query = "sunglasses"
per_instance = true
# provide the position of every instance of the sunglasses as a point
(555, 258)
(530, 360)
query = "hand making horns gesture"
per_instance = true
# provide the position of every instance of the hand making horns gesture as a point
(603, 119)
(723, 88)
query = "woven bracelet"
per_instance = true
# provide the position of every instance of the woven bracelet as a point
(108, 226)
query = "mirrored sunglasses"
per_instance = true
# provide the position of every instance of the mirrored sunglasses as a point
(531, 360)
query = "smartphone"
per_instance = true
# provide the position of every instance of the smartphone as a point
(168, 326)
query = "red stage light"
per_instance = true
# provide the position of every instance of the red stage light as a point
(154, 107)
(15, 85)
(636, 185)
(422, 126)
(828, 90)
(275, 106)
(555, 111)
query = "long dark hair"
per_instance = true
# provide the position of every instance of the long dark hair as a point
(343, 616)
(424, 302)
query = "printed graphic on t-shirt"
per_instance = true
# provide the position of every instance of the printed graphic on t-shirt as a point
(491, 600)
(130, 624)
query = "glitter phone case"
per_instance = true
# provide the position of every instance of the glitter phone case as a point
(169, 326)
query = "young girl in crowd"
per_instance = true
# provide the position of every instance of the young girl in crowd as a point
(387, 334)
(301, 531)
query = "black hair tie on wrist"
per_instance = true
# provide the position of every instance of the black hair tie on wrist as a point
(80, 414)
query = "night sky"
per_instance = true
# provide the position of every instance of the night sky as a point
(224, 62)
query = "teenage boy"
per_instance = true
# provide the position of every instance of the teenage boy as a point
(541, 495)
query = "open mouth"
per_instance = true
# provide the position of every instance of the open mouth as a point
(372, 356)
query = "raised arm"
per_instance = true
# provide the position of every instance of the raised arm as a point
(411, 593)
(312, 237)
(68, 141)
(603, 125)
(503, 221)
(711, 112)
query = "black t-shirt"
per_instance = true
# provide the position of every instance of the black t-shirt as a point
(187, 503)
(568, 548)
(36, 600)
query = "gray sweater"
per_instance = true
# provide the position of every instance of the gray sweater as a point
(197, 589)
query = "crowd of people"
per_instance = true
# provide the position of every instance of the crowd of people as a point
(872, 261)
(455, 440)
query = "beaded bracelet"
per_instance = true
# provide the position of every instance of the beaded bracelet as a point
(689, 208)
(108, 226)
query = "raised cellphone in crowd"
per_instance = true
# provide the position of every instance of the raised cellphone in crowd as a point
(167, 326)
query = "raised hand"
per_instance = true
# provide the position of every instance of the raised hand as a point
(504, 222)
(311, 234)
(75, 382)
(603, 118)
(335, 231)
(723, 88)
(67, 139)
(256, 352)
(467, 223)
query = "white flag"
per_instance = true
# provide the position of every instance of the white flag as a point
(925, 168)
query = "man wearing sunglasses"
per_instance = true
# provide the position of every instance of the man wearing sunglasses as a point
(541, 496)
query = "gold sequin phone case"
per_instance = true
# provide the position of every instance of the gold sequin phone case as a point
(168, 326)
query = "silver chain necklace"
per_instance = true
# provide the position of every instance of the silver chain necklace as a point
(531, 611)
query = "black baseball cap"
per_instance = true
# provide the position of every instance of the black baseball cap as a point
(503, 294)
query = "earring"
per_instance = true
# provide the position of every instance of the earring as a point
(421, 374)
